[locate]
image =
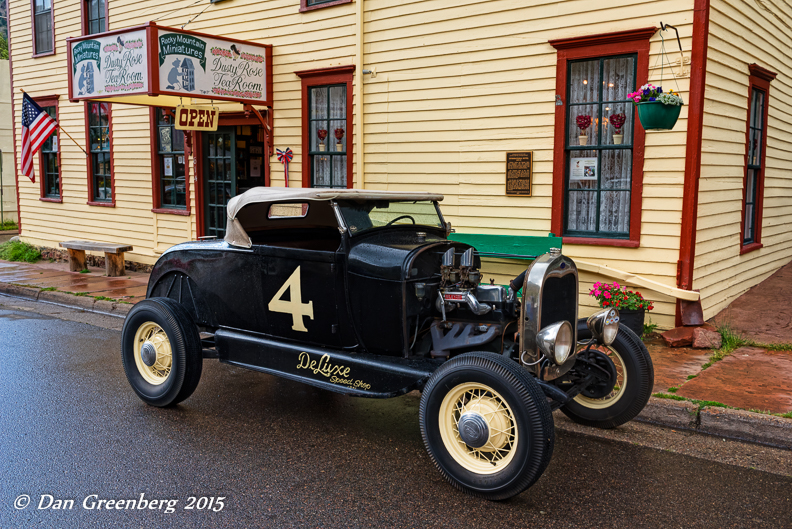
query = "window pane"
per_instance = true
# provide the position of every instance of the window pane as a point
(618, 78)
(755, 155)
(321, 164)
(583, 170)
(750, 186)
(339, 171)
(615, 212)
(749, 217)
(338, 128)
(616, 169)
(318, 131)
(584, 82)
(178, 140)
(165, 139)
(583, 125)
(582, 211)
(319, 103)
(338, 102)
(758, 112)
(617, 115)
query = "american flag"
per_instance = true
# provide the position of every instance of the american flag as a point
(37, 126)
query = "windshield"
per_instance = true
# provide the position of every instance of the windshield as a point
(362, 216)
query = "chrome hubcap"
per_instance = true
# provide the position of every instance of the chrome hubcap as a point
(473, 429)
(148, 353)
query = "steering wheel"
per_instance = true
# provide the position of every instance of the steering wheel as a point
(399, 218)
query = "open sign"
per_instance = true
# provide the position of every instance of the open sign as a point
(196, 118)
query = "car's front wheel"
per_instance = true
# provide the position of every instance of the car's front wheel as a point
(161, 352)
(486, 425)
(608, 405)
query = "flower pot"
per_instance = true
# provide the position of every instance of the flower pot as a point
(583, 139)
(617, 139)
(321, 146)
(634, 319)
(339, 147)
(655, 115)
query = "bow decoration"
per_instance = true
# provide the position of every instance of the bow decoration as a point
(285, 157)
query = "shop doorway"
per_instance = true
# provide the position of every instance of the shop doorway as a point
(233, 162)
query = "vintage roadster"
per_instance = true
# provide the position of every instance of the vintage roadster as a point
(362, 293)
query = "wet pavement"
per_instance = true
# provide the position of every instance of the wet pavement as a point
(283, 454)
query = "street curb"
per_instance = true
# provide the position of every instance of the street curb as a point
(65, 299)
(742, 425)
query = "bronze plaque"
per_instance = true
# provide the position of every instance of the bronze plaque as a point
(519, 169)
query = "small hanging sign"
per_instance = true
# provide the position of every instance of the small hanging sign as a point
(189, 117)
(519, 169)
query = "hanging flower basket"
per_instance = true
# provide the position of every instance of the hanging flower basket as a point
(657, 110)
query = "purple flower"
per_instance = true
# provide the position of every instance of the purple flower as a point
(652, 99)
(659, 90)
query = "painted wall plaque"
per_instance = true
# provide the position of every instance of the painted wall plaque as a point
(110, 66)
(519, 169)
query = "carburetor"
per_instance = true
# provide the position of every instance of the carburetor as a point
(458, 284)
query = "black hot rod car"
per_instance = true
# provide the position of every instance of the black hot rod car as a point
(361, 292)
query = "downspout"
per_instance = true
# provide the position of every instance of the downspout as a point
(695, 125)
(359, 143)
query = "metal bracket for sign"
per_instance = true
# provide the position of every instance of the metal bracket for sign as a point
(266, 123)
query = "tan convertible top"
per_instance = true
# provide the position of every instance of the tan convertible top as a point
(236, 235)
(278, 194)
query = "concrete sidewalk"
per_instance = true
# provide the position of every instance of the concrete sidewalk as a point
(695, 398)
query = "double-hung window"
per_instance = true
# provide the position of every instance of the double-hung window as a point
(328, 136)
(94, 16)
(99, 141)
(43, 36)
(170, 162)
(599, 147)
(755, 153)
(50, 172)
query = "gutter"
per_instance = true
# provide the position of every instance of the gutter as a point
(695, 125)
(13, 117)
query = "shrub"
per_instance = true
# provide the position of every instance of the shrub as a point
(19, 251)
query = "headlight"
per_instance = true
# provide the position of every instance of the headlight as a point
(555, 341)
(604, 325)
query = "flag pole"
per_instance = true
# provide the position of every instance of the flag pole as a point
(64, 131)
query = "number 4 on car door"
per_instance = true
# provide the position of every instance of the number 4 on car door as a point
(294, 306)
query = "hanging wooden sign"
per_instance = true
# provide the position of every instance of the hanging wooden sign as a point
(189, 117)
(519, 170)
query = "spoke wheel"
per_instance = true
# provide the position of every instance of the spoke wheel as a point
(153, 353)
(487, 425)
(617, 392)
(481, 405)
(161, 351)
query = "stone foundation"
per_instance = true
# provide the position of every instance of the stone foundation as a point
(92, 260)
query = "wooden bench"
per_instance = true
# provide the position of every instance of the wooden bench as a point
(114, 255)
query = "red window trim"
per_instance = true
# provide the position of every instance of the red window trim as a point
(155, 172)
(593, 46)
(89, 160)
(305, 7)
(84, 17)
(321, 77)
(50, 101)
(759, 79)
(33, 28)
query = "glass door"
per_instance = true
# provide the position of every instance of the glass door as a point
(219, 178)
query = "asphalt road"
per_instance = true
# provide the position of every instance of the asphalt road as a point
(282, 454)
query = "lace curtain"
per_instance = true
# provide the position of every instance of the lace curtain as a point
(328, 119)
(600, 178)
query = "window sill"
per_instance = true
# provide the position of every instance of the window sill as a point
(184, 212)
(102, 204)
(45, 54)
(750, 247)
(305, 8)
(592, 241)
(50, 199)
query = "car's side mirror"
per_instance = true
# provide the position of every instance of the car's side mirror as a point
(448, 229)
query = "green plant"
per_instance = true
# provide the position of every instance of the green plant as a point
(617, 296)
(649, 328)
(787, 415)
(8, 225)
(85, 271)
(48, 289)
(673, 389)
(103, 298)
(19, 251)
(81, 294)
(691, 377)
(667, 396)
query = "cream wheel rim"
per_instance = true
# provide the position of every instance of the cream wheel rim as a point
(618, 388)
(501, 443)
(151, 339)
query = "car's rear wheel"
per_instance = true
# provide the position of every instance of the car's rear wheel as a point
(161, 352)
(621, 401)
(487, 425)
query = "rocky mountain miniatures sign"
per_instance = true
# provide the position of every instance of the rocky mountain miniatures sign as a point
(151, 61)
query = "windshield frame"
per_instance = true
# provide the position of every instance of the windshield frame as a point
(342, 221)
